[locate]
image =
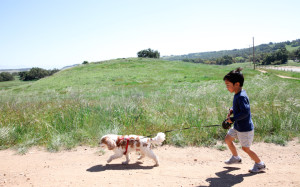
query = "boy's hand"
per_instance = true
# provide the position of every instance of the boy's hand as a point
(226, 124)
(229, 120)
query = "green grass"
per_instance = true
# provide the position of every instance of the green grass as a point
(141, 96)
(10, 84)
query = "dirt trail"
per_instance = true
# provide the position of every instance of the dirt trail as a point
(191, 166)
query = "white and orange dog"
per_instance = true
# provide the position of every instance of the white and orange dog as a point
(123, 145)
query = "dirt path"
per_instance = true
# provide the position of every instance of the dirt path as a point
(189, 166)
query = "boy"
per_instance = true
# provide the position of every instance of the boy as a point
(243, 128)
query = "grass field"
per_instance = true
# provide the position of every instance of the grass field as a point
(141, 96)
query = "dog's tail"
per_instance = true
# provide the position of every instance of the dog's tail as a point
(158, 139)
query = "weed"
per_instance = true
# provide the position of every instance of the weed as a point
(276, 140)
(221, 147)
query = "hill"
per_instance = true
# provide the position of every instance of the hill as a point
(27, 69)
(78, 105)
(14, 70)
(245, 53)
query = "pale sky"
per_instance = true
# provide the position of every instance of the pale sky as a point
(56, 33)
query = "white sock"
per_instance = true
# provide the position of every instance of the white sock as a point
(261, 163)
(237, 157)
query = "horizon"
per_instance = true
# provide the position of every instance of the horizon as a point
(56, 34)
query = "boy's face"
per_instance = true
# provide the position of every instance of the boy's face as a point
(232, 87)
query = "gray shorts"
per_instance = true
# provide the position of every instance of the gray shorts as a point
(245, 138)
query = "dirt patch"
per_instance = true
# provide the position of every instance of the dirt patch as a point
(263, 71)
(191, 166)
(286, 77)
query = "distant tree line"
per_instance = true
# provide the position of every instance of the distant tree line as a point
(225, 60)
(36, 74)
(281, 56)
(148, 53)
(272, 53)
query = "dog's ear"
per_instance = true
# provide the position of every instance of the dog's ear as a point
(111, 144)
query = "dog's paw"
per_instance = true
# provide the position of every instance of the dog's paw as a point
(109, 160)
(125, 163)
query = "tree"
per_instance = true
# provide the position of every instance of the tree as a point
(36, 74)
(269, 58)
(85, 62)
(5, 76)
(296, 54)
(51, 72)
(148, 53)
(225, 60)
(278, 57)
(278, 46)
(282, 55)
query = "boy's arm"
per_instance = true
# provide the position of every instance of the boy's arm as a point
(230, 111)
(244, 109)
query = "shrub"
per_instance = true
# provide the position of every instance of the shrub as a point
(4, 76)
(36, 74)
(225, 60)
(148, 53)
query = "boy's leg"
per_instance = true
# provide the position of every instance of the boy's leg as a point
(246, 139)
(259, 165)
(229, 141)
(252, 154)
(235, 159)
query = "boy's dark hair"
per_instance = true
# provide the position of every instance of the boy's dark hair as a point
(235, 76)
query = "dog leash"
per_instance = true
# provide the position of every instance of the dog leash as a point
(190, 128)
(185, 129)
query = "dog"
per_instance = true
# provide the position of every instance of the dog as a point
(123, 145)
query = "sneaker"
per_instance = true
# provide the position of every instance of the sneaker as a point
(257, 168)
(233, 160)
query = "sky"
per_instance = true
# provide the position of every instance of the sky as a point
(57, 33)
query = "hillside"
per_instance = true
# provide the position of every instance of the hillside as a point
(14, 70)
(78, 105)
(245, 53)
(27, 69)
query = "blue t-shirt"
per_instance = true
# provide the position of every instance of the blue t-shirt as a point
(241, 112)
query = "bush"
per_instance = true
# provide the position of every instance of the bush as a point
(4, 76)
(225, 60)
(148, 53)
(51, 72)
(36, 74)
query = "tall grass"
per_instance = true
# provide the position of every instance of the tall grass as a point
(142, 96)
